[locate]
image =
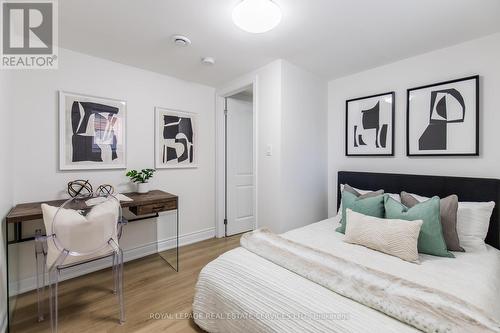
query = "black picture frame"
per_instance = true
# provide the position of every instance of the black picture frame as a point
(476, 113)
(393, 112)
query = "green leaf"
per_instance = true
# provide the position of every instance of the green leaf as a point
(140, 177)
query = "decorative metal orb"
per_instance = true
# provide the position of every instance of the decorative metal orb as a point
(80, 188)
(105, 189)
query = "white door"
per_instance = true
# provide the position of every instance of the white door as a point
(240, 186)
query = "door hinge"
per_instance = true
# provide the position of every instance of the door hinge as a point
(225, 221)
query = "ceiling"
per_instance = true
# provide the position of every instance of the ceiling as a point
(331, 38)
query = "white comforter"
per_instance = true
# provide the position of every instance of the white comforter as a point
(242, 292)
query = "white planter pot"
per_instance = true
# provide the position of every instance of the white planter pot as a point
(142, 187)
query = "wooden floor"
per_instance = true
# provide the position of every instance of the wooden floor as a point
(152, 287)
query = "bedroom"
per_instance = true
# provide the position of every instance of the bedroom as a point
(242, 124)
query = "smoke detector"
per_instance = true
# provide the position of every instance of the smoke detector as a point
(181, 41)
(208, 61)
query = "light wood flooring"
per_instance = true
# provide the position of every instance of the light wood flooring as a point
(151, 286)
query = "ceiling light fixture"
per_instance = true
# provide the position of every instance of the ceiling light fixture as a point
(208, 61)
(181, 41)
(256, 16)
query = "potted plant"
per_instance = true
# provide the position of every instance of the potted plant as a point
(141, 179)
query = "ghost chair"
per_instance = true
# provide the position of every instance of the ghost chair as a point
(76, 235)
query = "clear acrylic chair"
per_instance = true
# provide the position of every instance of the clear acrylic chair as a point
(77, 234)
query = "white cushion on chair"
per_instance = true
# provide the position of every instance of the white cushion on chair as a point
(81, 234)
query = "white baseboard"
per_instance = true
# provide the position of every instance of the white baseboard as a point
(3, 323)
(28, 284)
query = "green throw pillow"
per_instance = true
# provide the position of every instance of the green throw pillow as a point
(431, 239)
(372, 206)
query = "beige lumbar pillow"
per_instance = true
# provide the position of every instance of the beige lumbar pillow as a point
(398, 238)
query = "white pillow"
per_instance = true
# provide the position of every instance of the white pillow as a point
(81, 234)
(395, 196)
(473, 222)
(395, 237)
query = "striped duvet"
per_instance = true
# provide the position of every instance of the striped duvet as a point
(243, 292)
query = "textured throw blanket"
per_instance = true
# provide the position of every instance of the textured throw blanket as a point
(424, 308)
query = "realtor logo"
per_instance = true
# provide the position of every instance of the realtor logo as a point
(29, 34)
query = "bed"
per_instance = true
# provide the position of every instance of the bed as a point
(244, 292)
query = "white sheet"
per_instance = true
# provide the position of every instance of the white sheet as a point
(240, 282)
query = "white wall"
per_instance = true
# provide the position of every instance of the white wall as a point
(304, 147)
(291, 116)
(35, 109)
(267, 103)
(5, 188)
(481, 56)
(269, 133)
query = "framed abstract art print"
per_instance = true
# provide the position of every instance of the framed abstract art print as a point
(176, 139)
(92, 132)
(370, 125)
(443, 119)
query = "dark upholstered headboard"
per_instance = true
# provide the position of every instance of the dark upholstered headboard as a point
(467, 189)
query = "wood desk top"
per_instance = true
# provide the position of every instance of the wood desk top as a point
(33, 211)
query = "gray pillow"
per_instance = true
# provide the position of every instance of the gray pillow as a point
(350, 189)
(448, 214)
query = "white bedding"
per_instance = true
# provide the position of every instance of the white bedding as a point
(242, 283)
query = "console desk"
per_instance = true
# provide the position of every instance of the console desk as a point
(142, 205)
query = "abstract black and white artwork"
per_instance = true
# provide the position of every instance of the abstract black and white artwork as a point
(176, 139)
(92, 132)
(369, 125)
(443, 118)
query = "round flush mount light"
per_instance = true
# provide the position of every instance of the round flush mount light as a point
(256, 16)
(181, 41)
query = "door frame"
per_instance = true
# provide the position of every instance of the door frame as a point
(220, 148)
